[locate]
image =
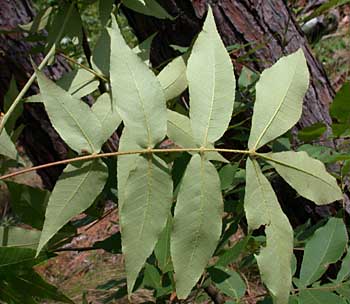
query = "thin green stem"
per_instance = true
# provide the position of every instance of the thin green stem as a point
(123, 153)
(40, 67)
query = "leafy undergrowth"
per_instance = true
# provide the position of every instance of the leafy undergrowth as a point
(79, 273)
(334, 50)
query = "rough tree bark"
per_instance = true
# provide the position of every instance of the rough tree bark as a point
(266, 28)
(40, 141)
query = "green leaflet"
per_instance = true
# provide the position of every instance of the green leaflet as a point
(262, 209)
(126, 163)
(279, 98)
(7, 147)
(147, 199)
(211, 84)
(173, 78)
(180, 132)
(147, 7)
(344, 271)
(75, 191)
(162, 249)
(107, 115)
(143, 49)
(326, 246)
(340, 108)
(10, 256)
(105, 8)
(73, 119)
(30, 284)
(229, 282)
(136, 92)
(101, 54)
(78, 83)
(28, 203)
(306, 175)
(310, 296)
(197, 223)
(19, 237)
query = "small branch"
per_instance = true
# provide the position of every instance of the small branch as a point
(213, 293)
(101, 77)
(40, 67)
(122, 153)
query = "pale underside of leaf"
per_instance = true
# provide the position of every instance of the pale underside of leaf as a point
(75, 191)
(126, 163)
(147, 199)
(73, 119)
(107, 115)
(262, 209)
(211, 84)
(197, 223)
(173, 78)
(306, 175)
(279, 98)
(137, 93)
(180, 132)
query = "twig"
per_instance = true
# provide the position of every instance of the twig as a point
(122, 153)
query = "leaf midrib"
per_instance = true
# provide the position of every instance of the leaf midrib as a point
(297, 169)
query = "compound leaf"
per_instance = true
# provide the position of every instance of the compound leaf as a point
(307, 176)
(136, 92)
(262, 209)
(147, 199)
(279, 99)
(197, 223)
(75, 191)
(211, 84)
(73, 119)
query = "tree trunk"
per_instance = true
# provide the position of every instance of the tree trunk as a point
(266, 29)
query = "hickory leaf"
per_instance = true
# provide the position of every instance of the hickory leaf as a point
(173, 78)
(197, 223)
(73, 119)
(137, 93)
(75, 191)
(344, 271)
(279, 98)
(262, 209)
(306, 175)
(107, 115)
(309, 296)
(147, 198)
(211, 84)
(326, 246)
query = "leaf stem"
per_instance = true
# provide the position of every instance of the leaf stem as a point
(32, 78)
(122, 153)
